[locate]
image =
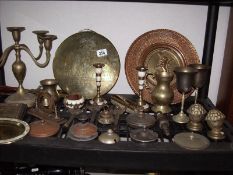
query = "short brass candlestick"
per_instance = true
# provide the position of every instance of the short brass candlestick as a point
(141, 82)
(19, 68)
(98, 100)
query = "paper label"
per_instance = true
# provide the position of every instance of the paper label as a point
(102, 52)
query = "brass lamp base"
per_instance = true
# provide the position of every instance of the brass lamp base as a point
(216, 135)
(25, 98)
(194, 126)
(180, 118)
(161, 108)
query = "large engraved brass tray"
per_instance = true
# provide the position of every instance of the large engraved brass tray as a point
(74, 59)
(159, 50)
(12, 130)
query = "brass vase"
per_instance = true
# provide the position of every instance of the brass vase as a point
(162, 95)
(50, 86)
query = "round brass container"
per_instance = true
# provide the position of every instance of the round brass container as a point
(74, 59)
(158, 50)
(43, 128)
(12, 130)
(191, 141)
(109, 137)
(50, 86)
(143, 135)
(141, 120)
(106, 117)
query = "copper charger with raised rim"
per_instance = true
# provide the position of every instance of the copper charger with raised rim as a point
(158, 50)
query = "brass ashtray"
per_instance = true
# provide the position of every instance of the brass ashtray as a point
(12, 130)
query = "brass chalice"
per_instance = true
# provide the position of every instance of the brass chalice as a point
(200, 77)
(184, 82)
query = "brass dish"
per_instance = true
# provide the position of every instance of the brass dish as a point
(74, 59)
(158, 50)
(12, 130)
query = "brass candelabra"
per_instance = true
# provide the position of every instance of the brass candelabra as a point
(19, 67)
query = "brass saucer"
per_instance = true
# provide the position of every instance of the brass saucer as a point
(143, 135)
(140, 120)
(180, 118)
(191, 141)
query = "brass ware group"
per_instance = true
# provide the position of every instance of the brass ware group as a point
(139, 121)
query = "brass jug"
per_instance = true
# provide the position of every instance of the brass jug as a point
(162, 94)
(50, 86)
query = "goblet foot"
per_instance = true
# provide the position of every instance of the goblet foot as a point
(181, 117)
(161, 108)
(25, 98)
(216, 135)
(192, 126)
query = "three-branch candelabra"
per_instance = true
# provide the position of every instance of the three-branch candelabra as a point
(19, 67)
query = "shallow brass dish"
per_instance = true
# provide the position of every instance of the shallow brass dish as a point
(12, 130)
(74, 59)
(158, 50)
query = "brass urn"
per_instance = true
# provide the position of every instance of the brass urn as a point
(162, 95)
(50, 86)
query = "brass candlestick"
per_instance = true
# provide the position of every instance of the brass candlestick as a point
(98, 100)
(19, 68)
(184, 82)
(141, 82)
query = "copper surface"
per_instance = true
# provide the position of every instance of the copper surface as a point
(73, 64)
(158, 50)
(43, 128)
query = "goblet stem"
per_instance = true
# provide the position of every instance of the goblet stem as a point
(182, 103)
(196, 95)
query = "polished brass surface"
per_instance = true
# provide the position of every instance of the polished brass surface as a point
(50, 86)
(74, 59)
(143, 135)
(12, 129)
(200, 77)
(109, 137)
(140, 120)
(184, 82)
(196, 113)
(43, 128)
(215, 119)
(191, 141)
(158, 50)
(106, 116)
(162, 95)
(19, 68)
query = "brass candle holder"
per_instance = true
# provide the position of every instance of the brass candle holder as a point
(184, 82)
(215, 119)
(19, 67)
(141, 82)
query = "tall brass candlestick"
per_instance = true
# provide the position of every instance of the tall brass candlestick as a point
(19, 67)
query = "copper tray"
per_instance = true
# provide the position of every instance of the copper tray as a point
(74, 59)
(158, 50)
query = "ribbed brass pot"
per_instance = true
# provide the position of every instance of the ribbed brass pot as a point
(162, 95)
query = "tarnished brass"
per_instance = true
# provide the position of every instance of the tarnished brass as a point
(143, 135)
(19, 68)
(45, 102)
(109, 137)
(12, 110)
(158, 50)
(43, 128)
(74, 59)
(12, 129)
(162, 95)
(106, 116)
(200, 77)
(191, 141)
(196, 113)
(184, 82)
(215, 119)
(50, 86)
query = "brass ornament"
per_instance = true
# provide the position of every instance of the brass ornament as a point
(74, 59)
(109, 137)
(12, 129)
(215, 119)
(158, 50)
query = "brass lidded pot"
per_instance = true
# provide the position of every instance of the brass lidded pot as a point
(109, 137)
(50, 86)
(106, 116)
(162, 95)
(215, 119)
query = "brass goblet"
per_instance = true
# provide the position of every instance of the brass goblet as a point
(184, 82)
(200, 77)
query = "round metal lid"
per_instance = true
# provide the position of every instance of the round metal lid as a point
(109, 137)
(43, 128)
(138, 120)
(73, 64)
(12, 130)
(191, 141)
(143, 135)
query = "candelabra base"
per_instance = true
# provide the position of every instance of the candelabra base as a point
(25, 98)
(180, 118)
